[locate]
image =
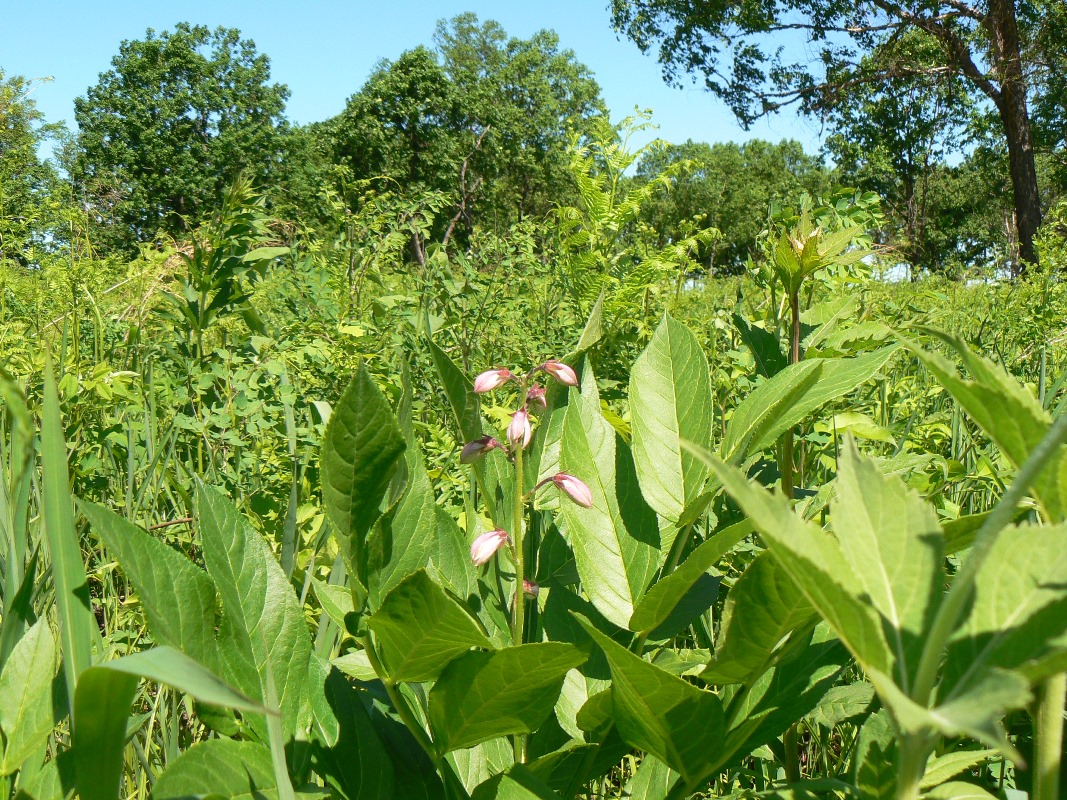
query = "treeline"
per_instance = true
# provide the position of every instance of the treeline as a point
(480, 132)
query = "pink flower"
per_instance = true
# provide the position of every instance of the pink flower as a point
(536, 394)
(479, 447)
(519, 428)
(561, 372)
(492, 379)
(574, 489)
(483, 548)
(530, 589)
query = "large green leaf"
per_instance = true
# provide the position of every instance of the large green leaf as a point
(359, 455)
(670, 400)
(780, 402)
(219, 768)
(1008, 413)
(420, 629)
(665, 595)
(518, 783)
(894, 544)
(76, 620)
(101, 708)
(177, 596)
(350, 754)
(616, 542)
(816, 563)
(655, 711)
(459, 391)
(402, 540)
(263, 627)
(481, 696)
(26, 709)
(763, 608)
(1018, 618)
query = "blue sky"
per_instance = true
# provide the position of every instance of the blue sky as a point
(324, 52)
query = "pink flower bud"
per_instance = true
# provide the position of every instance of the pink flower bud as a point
(536, 394)
(519, 428)
(574, 489)
(530, 589)
(483, 548)
(479, 447)
(491, 379)
(561, 372)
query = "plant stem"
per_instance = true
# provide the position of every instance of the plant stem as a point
(1048, 737)
(791, 741)
(518, 608)
(786, 461)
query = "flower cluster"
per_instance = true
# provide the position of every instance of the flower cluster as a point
(518, 435)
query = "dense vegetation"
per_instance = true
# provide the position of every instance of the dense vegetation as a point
(485, 455)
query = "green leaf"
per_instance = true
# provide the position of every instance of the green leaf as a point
(421, 629)
(481, 696)
(402, 540)
(518, 783)
(893, 542)
(816, 563)
(842, 704)
(616, 542)
(26, 711)
(351, 755)
(1008, 413)
(459, 391)
(76, 620)
(1018, 619)
(175, 669)
(656, 606)
(940, 768)
(763, 608)
(976, 713)
(101, 708)
(958, 790)
(764, 345)
(218, 768)
(263, 626)
(670, 400)
(673, 720)
(359, 455)
(178, 597)
(780, 402)
(335, 601)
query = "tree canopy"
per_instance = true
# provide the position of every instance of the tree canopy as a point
(170, 126)
(749, 54)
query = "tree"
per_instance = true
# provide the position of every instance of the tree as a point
(484, 118)
(26, 182)
(729, 187)
(893, 140)
(168, 129)
(738, 48)
(530, 99)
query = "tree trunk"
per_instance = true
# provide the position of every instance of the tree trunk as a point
(1016, 120)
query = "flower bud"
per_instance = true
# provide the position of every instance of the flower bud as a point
(530, 589)
(561, 372)
(519, 431)
(574, 489)
(472, 451)
(491, 379)
(536, 394)
(483, 548)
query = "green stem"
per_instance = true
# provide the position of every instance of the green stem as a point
(791, 741)
(1048, 737)
(914, 752)
(785, 466)
(518, 607)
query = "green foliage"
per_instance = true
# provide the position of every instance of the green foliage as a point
(196, 100)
